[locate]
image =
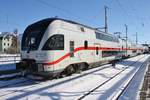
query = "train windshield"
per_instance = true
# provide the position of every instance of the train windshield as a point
(32, 40)
(33, 35)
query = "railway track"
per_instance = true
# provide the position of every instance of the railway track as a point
(133, 76)
(57, 82)
(117, 96)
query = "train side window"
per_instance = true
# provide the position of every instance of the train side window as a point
(96, 50)
(55, 42)
(82, 29)
(71, 48)
(85, 44)
(105, 37)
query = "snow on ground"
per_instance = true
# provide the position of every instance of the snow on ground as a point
(132, 91)
(114, 87)
(72, 87)
(8, 55)
(6, 59)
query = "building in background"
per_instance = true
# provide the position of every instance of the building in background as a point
(9, 43)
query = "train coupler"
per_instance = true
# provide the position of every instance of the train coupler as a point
(21, 66)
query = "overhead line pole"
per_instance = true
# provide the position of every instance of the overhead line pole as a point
(106, 25)
(136, 38)
(126, 26)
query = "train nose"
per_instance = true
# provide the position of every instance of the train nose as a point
(40, 56)
(27, 64)
(30, 55)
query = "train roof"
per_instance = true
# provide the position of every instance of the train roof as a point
(50, 20)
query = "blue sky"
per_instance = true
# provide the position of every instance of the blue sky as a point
(134, 13)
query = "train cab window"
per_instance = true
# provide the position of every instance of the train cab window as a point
(55, 42)
(71, 48)
(33, 35)
(85, 44)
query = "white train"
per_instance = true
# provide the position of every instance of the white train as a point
(56, 46)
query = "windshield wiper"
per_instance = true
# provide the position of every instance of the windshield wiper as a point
(30, 45)
(28, 51)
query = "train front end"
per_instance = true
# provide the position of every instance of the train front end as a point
(32, 54)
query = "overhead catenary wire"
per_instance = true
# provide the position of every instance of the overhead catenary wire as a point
(136, 18)
(63, 10)
(7, 21)
(123, 9)
(139, 22)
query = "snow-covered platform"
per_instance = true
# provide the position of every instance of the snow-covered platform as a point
(101, 83)
(145, 90)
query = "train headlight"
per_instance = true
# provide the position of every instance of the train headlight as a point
(48, 68)
(40, 67)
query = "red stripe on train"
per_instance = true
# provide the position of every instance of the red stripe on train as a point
(82, 48)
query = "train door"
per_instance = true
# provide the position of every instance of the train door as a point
(97, 53)
(71, 49)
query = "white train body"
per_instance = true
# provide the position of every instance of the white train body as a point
(51, 45)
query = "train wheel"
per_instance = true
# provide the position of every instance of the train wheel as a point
(84, 66)
(70, 70)
(58, 76)
(78, 68)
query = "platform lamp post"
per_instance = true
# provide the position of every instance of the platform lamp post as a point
(106, 21)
